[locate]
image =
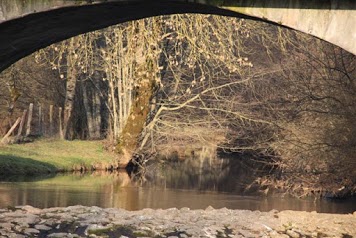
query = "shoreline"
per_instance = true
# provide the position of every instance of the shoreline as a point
(53, 156)
(82, 221)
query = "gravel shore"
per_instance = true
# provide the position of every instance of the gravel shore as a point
(81, 221)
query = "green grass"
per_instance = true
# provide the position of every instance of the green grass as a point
(44, 156)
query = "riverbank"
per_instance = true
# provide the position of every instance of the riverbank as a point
(249, 177)
(80, 221)
(51, 156)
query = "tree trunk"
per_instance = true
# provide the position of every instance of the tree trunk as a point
(92, 108)
(88, 112)
(97, 109)
(70, 90)
(147, 71)
(128, 142)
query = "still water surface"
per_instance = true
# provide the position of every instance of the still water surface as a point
(171, 188)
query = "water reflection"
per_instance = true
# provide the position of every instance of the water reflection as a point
(221, 175)
(175, 185)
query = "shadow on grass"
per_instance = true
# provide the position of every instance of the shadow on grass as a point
(13, 165)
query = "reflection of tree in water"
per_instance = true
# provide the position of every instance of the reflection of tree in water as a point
(223, 174)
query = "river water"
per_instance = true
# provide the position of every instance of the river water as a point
(175, 185)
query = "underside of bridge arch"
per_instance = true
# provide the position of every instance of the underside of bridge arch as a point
(22, 36)
(35, 25)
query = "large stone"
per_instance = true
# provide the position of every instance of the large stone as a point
(94, 228)
(6, 226)
(292, 234)
(26, 220)
(13, 235)
(31, 231)
(43, 227)
(31, 209)
(275, 234)
(62, 235)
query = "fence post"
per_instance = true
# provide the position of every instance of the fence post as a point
(61, 135)
(22, 123)
(44, 125)
(29, 119)
(50, 120)
(11, 130)
(40, 131)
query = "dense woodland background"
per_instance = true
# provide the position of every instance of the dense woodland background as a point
(197, 85)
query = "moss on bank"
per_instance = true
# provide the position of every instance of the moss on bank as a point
(49, 156)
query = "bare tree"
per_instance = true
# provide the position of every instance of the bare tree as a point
(201, 106)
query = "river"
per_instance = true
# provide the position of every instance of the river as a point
(174, 185)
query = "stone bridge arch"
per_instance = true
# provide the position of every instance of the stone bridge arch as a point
(28, 26)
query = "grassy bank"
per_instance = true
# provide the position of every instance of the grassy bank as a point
(45, 156)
